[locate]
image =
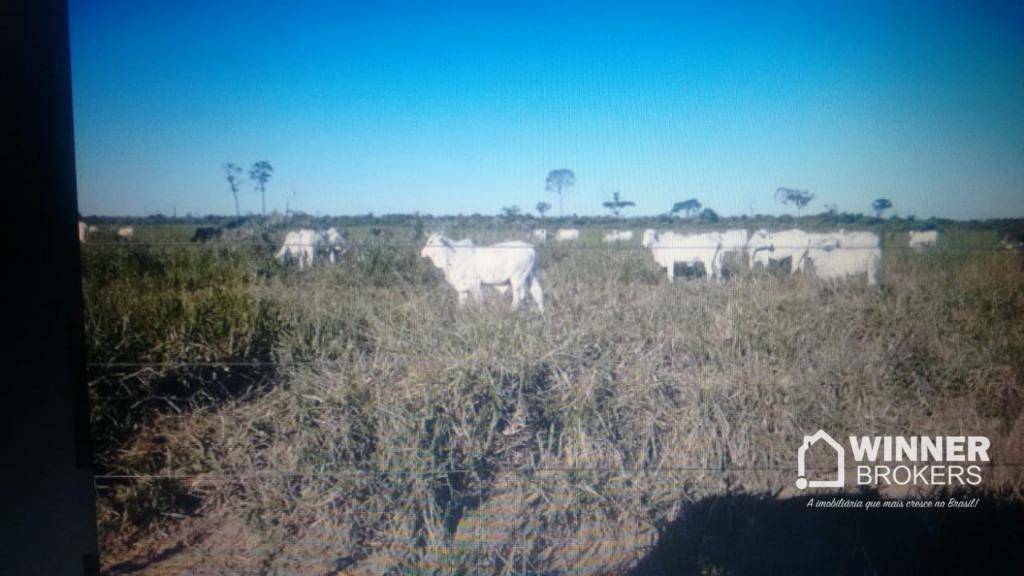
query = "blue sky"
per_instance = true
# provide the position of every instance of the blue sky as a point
(463, 107)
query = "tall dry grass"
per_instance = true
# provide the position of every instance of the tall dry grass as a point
(376, 442)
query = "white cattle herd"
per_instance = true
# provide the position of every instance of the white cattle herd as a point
(513, 265)
(832, 256)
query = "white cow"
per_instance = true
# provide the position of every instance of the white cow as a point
(83, 232)
(670, 249)
(300, 245)
(125, 233)
(567, 235)
(845, 254)
(468, 268)
(925, 239)
(618, 236)
(765, 247)
(540, 235)
(333, 244)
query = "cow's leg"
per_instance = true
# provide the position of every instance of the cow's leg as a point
(536, 292)
(796, 262)
(671, 272)
(518, 293)
(477, 292)
(463, 296)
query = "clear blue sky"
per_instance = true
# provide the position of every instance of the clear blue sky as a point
(463, 107)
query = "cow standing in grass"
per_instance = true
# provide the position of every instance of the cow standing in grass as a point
(670, 249)
(843, 254)
(300, 245)
(922, 240)
(616, 236)
(468, 268)
(567, 235)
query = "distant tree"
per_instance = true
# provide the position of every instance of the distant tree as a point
(510, 212)
(831, 209)
(709, 215)
(260, 174)
(542, 207)
(233, 173)
(558, 181)
(880, 206)
(799, 198)
(688, 207)
(616, 204)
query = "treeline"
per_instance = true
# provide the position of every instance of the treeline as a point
(810, 222)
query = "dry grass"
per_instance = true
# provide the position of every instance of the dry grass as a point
(377, 441)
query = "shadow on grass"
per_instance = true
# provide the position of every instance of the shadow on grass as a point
(742, 534)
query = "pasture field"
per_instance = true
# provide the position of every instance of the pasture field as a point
(249, 418)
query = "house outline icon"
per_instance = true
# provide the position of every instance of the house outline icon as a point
(802, 482)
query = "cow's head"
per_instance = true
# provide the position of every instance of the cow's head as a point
(438, 250)
(650, 237)
(332, 236)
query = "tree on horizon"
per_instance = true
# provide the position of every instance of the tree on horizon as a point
(260, 174)
(799, 198)
(233, 173)
(616, 204)
(709, 215)
(689, 207)
(510, 212)
(542, 207)
(880, 205)
(557, 182)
